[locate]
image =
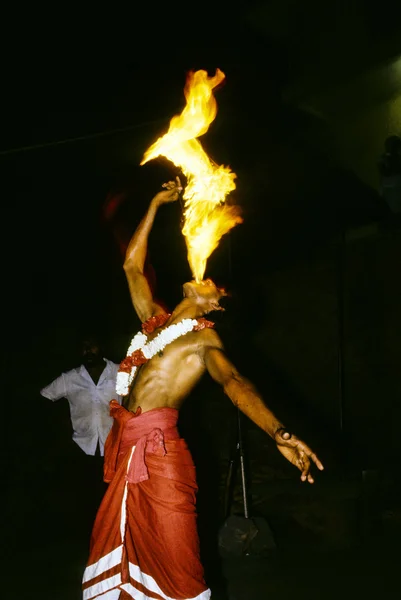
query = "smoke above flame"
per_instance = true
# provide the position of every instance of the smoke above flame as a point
(207, 217)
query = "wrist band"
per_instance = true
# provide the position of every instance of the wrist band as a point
(282, 430)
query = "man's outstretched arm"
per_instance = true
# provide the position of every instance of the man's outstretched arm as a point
(244, 395)
(134, 263)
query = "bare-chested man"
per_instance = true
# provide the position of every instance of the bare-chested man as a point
(144, 542)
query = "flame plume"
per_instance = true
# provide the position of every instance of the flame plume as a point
(206, 216)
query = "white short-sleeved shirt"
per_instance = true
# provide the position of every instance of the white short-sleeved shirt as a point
(89, 404)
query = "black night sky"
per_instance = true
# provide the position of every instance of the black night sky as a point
(309, 98)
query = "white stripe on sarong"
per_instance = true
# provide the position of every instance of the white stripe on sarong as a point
(134, 593)
(102, 586)
(123, 519)
(104, 564)
(111, 559)
(111, 595)
(150, 583)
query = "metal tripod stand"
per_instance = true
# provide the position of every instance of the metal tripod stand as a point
(242, 535)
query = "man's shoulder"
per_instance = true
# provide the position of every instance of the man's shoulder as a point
(209, 338)
(73, 372)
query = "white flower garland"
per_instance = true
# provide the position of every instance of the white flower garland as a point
(151, 348)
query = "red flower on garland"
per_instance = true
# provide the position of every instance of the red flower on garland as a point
(126, 365)
(202, 324)
(138, 358)
(154, 322)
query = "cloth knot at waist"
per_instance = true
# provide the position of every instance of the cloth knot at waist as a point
(147, 432)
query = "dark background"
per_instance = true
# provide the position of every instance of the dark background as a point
(312, 90)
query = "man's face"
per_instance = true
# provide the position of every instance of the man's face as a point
(91, 352)
(209, 293)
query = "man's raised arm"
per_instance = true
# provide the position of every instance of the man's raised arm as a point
(243, 394)
(135, 257)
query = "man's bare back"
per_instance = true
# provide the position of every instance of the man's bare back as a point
(165, 380)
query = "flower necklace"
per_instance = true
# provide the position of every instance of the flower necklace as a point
(141, 350)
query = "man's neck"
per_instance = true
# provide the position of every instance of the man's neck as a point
(96, 366)
(187, 309)
(95, 370)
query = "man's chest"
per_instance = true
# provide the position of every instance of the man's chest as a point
(176, 365)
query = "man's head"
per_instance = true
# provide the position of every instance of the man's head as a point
(91, 351)
(205, 294)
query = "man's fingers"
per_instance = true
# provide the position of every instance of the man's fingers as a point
(303, 465)
(306, 474)
(169, 185)
(307, 477)
(315, 459)
(306, 470)
(319, 464)
(173, 184)
(311, 455)
(301, 456)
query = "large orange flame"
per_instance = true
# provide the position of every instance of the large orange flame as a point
(206, 217)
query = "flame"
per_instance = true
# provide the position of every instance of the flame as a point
(206, 217)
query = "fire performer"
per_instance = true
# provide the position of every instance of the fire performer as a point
(144, 543)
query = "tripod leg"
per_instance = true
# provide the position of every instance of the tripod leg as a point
(231, 474)
(244, 487)
(229, 487)
(244, 482)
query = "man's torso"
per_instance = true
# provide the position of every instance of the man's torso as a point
(167, 379)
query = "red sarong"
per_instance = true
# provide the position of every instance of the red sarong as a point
(144, 542)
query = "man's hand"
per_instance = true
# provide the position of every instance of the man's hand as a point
(298, 453)
(170, 194)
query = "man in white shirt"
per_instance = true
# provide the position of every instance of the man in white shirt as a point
(89, 390)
